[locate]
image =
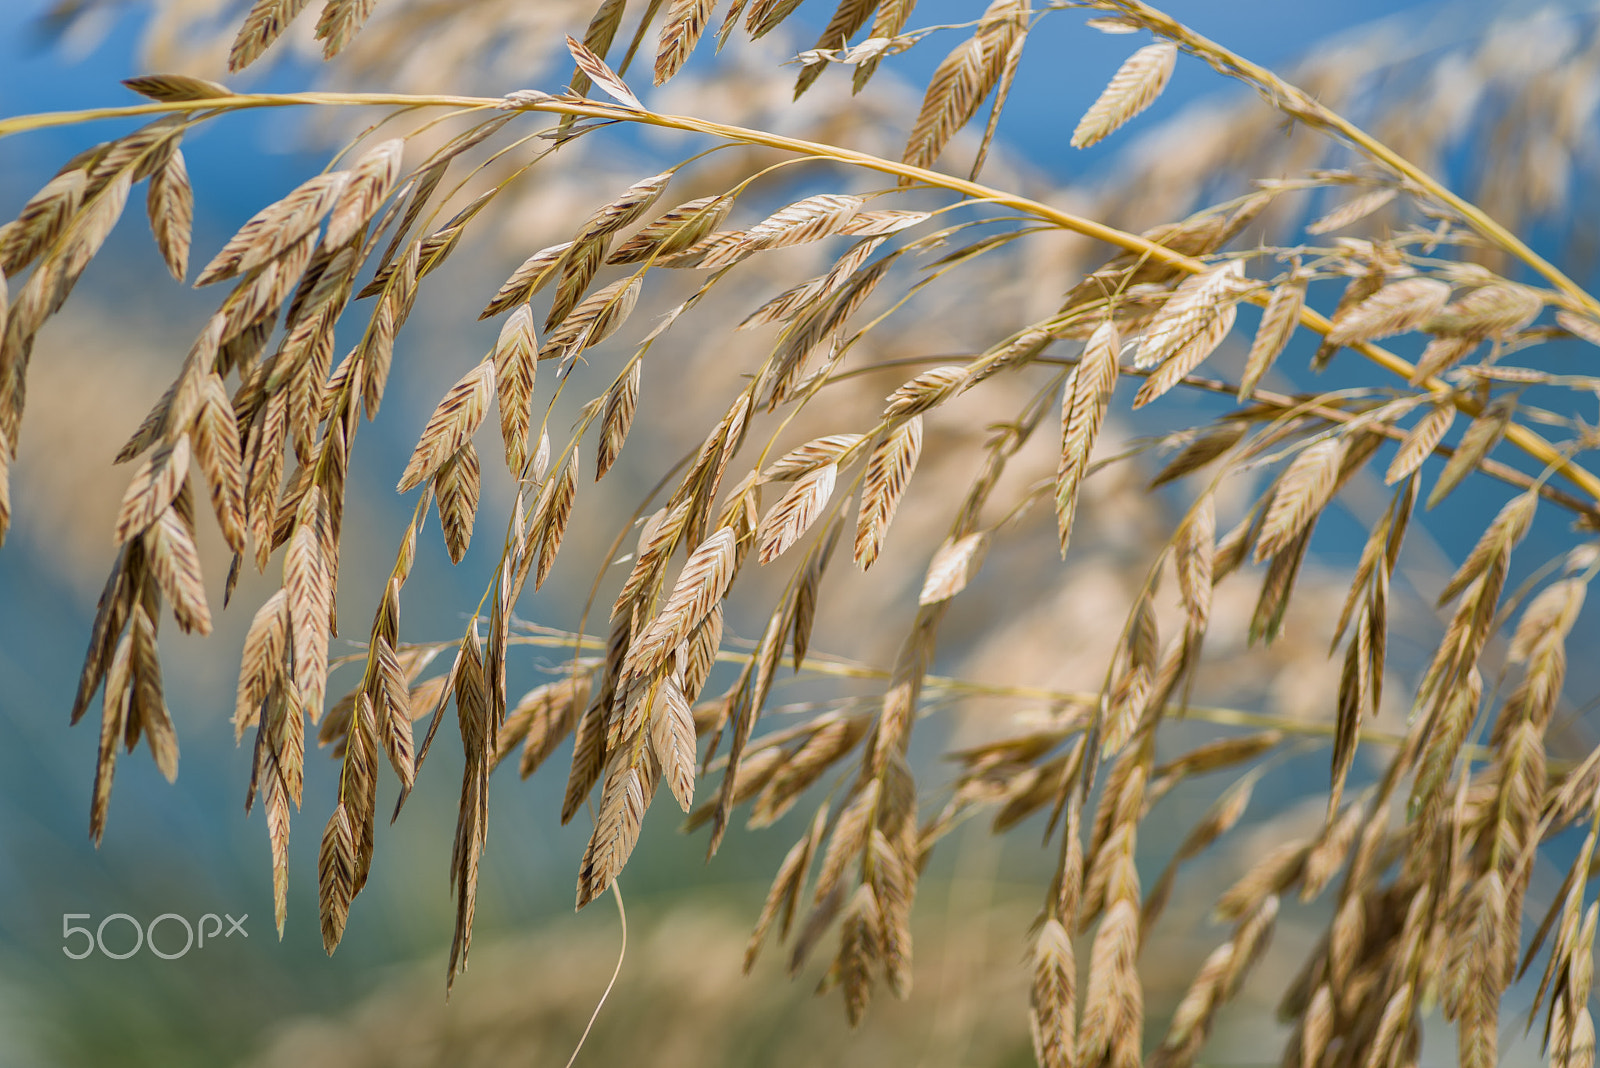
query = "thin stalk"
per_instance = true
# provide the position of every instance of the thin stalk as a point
(1297, 102)
(839, 668)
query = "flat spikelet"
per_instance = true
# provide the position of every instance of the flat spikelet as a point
(952, 567)
(176, 87)
(813, 454)
(1301, 494)
(701, 584)
(451, 425)
(372, 179)
(792, 516)
(889, 470)
(515, 366)
(1083, 408)
(1394, 309)
(1481, 437)
(622, 400)
(805, 220)
(308, 578)
(1497, 310)
(1053, 1007)
(592, 321)
(686, 21)
(672, 739)
(171, 209)
(175, 566)
(674, 231)
(1420, 442)
(1133, 88)
(602, 75)
(154, 487)
(961, 82)
(456, 487)
(1278, 322)
(928, 390)
(263, 25)
(625, 209)
(1194, 319)
(275, 228)
(341, 20)
(263, 660)
(528, 279)
(1352, 210)
(630, 783)
(551, 517)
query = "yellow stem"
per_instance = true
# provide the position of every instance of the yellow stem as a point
(1522, 437)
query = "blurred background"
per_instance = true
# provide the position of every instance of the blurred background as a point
(537, 971)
